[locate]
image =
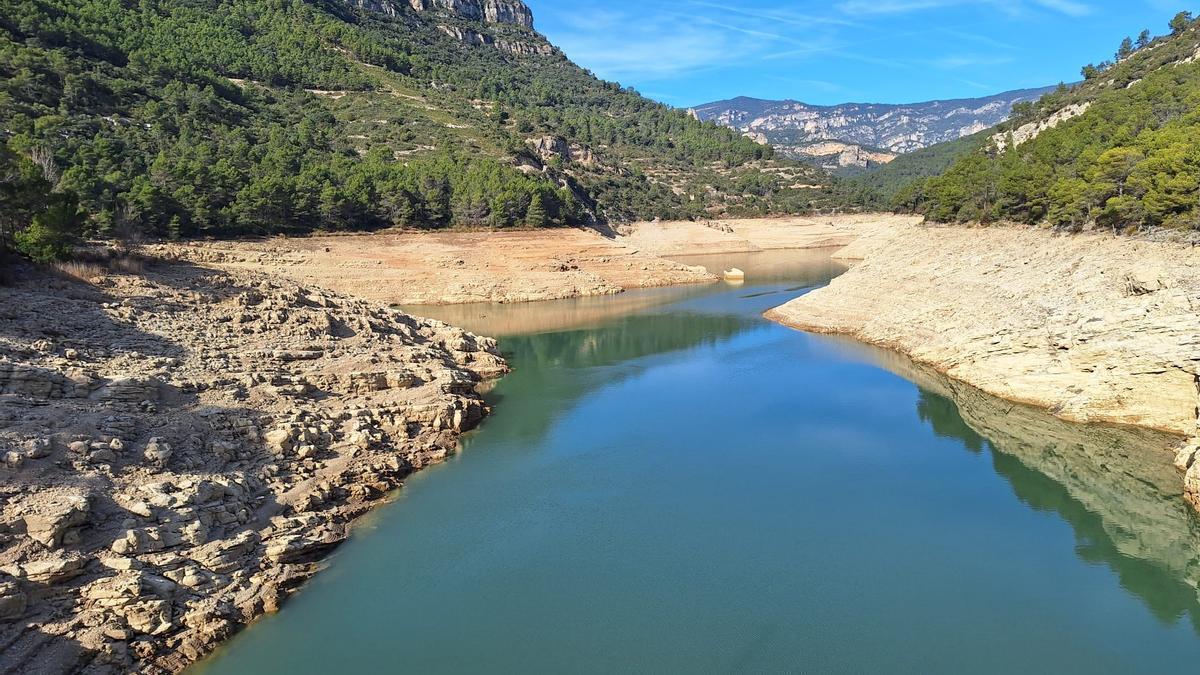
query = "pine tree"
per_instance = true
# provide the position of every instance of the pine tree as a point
(1181, 22)
(1125, 49)
(536, 215)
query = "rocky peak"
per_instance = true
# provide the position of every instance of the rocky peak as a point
(512, 12)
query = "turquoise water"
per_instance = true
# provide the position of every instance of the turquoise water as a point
(671, 484)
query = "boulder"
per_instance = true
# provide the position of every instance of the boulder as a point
(158, 452)
(49, 571)
(49, 524)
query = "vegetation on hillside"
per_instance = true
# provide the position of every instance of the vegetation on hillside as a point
(184, 118)
(887, 186)
(1131, 160)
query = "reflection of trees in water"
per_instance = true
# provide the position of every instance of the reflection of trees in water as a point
(942, 416)
(1113, 486)
(625, 339)
(544, 385)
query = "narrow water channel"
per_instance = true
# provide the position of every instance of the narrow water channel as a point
(671, 484)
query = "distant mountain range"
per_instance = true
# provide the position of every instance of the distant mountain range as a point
(855, 136)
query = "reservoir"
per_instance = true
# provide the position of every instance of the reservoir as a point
(672, 484)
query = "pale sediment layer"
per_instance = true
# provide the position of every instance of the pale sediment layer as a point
(440, 268)
(1092, 327)
(181, 448)
(752, 235)
(453, 267)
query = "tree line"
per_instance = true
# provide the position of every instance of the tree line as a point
(1131, 161)
(170, 118)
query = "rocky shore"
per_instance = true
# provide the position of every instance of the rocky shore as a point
(1092, 327)
(183, 446)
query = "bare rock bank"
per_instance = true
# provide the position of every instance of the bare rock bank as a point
(441, 268)
(182, 447)
(1092, 327)
(444, 268)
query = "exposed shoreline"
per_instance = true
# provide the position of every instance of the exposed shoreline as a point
(1090, 327)
(446, 268)
(184, 446)
(150, 516)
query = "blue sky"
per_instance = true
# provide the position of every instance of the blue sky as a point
(687, 52)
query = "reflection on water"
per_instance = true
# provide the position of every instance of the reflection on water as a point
(1114, 486)
(680, 486)
(781, 271)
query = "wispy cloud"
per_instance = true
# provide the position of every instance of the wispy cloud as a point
(1007, 7)
(671, 39)
(1069, 7)
(803, 48)
(957, 61)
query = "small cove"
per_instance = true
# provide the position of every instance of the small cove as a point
(670, 483)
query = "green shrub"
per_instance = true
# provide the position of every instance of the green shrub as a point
(52, 234)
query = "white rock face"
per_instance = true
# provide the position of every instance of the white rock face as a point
(512, 12)
(1028, 132)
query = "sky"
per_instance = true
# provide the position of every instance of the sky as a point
(688, 52)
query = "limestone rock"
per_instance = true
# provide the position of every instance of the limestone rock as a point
(158, 451)
(135, 508)
(1030, 316)
(48, 571)
(512, 12)
(50, 523)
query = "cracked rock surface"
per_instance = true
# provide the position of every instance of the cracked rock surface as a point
(182, 447)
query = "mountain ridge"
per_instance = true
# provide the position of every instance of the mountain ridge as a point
(874, 133)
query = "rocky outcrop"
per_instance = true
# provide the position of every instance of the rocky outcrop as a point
(894, 128)
(1028, 132)
(835, 155)
(1091, 327)
(510, 12)
(182, 448)
(512, 46)
(513, 12)
(550, 148)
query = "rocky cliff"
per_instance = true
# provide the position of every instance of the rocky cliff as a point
(499, 13)
(512, 12)
(492, 11)
(798, 129)
(836, 155)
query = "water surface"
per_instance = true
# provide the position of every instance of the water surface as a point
(671, 484)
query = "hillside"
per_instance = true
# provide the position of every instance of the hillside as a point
(226, 117)
(851, 137)
(888, 185)
(1120, 150)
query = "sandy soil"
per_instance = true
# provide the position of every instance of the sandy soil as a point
(463, 267)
